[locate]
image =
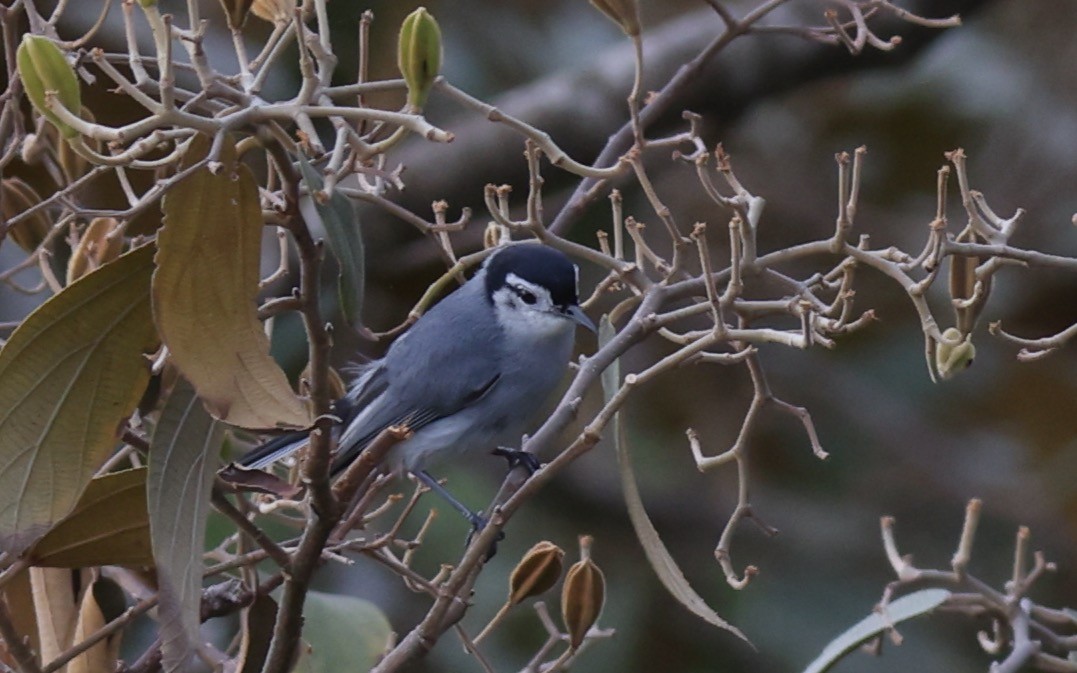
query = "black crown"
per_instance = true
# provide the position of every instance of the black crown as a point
(537, 264)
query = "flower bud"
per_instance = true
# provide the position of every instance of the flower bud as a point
(951, 358)
(43, 68)
(419, 55)
(583, 595)
(16, 197)
(100, 244)
(625, 13)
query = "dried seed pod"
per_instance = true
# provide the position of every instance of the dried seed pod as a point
(950, 357)
(274, 11)
(419, 55)
(100, 243)
(16, 197)
(583, 595)
(968, 303)
(536, 573)
(625, 13)
(491, 236)
(43, 68)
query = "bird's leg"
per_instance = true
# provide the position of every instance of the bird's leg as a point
(519, 458)
(477, 521)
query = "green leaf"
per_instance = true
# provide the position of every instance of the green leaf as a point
(345, 633)
(906, 607)
(184, 456)
(109, 526)
(69, 376)
(204, 293)
(345, 241)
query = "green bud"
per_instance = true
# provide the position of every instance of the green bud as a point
(419, 55)
(951, 358)
(43, 68)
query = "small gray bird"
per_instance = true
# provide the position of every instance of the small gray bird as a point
(469, 374)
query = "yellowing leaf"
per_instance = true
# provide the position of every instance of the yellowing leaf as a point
(109, 526)
(204, 293)
(99, 244)
(69, 376)
(93, 617)
(18, 595)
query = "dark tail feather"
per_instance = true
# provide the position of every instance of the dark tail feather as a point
(266, 454)
(273, 450)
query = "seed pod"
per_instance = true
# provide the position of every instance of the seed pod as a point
(537, 572)
(72, 163)
(419, 55)
(967, 302)
(582, 596)
(98, 245)
(952, 358)
(625, 13)
(16, 197)
(492, 235)
(43, 68)
(274, 11)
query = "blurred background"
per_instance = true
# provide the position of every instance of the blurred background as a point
(1002, 87)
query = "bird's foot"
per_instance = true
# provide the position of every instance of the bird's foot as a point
(519, 458)
(478, 523)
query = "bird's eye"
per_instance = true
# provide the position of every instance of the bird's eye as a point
(527, 296)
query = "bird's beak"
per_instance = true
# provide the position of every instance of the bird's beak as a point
(576, 314)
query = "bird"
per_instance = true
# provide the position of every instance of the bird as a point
(468, 375)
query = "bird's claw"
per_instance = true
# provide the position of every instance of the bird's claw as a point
(478, 523)
(519, 458)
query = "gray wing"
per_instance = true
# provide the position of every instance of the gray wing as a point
(449, 360)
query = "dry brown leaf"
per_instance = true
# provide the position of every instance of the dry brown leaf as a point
(204, 293)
